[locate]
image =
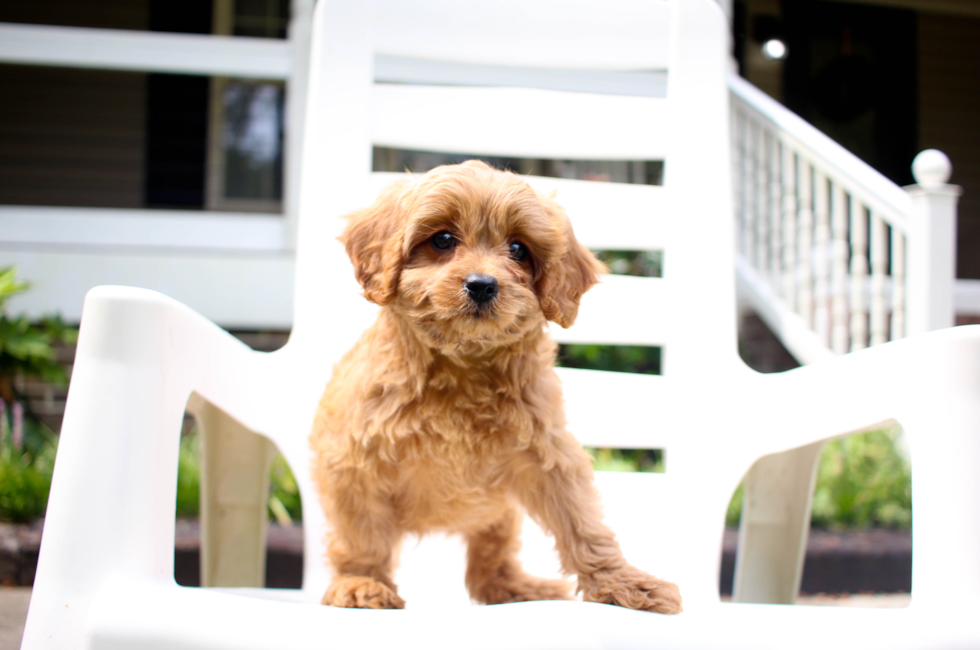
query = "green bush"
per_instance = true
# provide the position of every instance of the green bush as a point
(863, 481)
(284, 500)
(647, 264)
(617, 358)
(627, 460)
(189, 477)
(26, 349)
(25, 472)
(734, 513)
(25, 478)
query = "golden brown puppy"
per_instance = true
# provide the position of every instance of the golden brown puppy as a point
(447, 414)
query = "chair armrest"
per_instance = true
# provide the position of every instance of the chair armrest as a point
(930, 385)
(906, 380)
(140, 355)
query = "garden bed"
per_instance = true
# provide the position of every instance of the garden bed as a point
(846, 562)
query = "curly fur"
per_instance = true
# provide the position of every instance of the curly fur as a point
(448, 417)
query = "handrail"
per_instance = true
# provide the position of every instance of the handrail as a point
(890, 200)
(830, 252)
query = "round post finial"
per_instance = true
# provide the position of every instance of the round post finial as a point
(931, 168)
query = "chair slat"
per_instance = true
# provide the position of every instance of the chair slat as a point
(407, 70)
(605, 216)
(611, 216)
(613, 409)
(518, 122)
(611, 35)
(621, 310)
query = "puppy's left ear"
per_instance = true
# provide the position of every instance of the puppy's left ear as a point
(373, 239)
(566, 278)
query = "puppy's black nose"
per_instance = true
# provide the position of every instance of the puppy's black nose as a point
(482, 288)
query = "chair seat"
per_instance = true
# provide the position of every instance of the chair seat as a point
(126, 614)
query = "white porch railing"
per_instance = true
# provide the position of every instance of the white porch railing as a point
(831, 254)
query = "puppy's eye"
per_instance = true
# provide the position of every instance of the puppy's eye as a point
(443, 241)
(518, 251)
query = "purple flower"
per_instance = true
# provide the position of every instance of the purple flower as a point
(17, 410)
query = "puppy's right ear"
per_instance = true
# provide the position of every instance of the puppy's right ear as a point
(373, 239)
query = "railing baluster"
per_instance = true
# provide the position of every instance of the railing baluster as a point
(825, 242)
(898, 284)
(789, 227)
(736, 162)
(805, 205)
(879, 270)
(859, 276)
(821, 314)
(761, 211)
(839, 254)
(775, 215)
(748, 192)
(738, 169)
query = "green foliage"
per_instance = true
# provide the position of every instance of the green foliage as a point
(627, 460)
(26, 347)
(618, 358)
(25, 472)
(284, 499)
(734, 513)
(10, 285)
(863, 481)
(189, 476)
(647, 264)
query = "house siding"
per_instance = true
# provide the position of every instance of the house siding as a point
(106, 14)
(949, 116)
(71, 137)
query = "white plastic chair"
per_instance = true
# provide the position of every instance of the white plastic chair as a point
(105, 573)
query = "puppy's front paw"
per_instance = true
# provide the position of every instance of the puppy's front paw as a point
(631, 588)
(362, 592)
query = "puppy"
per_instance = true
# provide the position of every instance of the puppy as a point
(447, 414)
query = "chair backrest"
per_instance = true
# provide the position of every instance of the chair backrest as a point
(626, 80)
(543, 79)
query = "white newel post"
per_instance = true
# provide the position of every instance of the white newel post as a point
(931, 261)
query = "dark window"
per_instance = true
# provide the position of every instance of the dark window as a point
(177, 115)
(182, 16)
(176, 140)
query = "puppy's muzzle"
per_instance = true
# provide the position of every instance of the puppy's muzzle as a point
(481, 288)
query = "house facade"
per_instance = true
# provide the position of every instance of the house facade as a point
(145, 143)
(156, 143)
